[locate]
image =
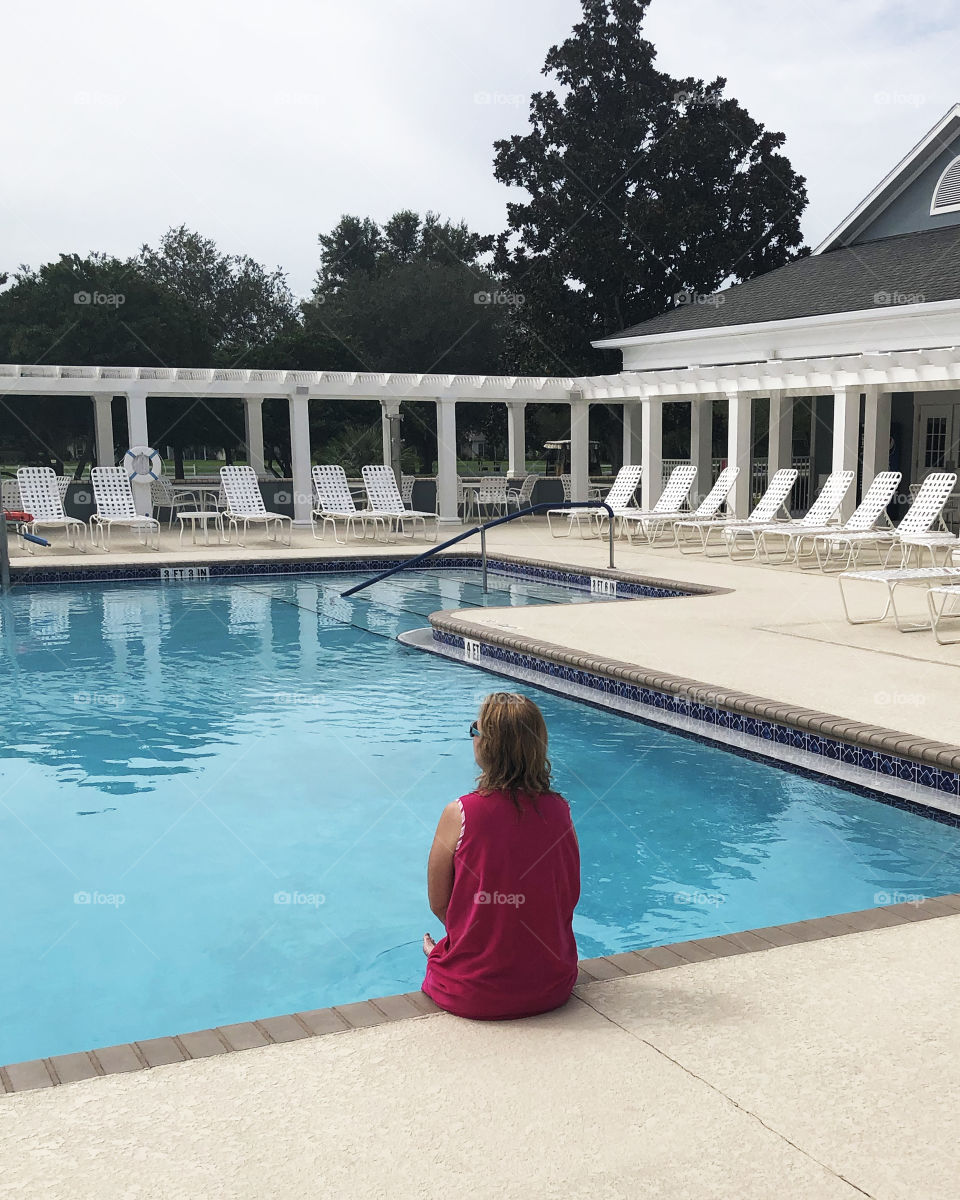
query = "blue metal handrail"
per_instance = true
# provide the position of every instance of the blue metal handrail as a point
(482, 530)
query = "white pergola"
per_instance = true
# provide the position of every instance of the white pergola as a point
(642, 393)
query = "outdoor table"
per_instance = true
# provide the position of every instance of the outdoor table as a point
(204, 518)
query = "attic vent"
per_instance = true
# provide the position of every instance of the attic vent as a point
(946, 195)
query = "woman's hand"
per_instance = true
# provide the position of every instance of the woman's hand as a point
(428, 944)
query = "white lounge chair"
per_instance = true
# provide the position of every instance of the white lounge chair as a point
(798, 535)
(819, 518)
(893, 579)
(620, 497)
(335, 503)
(113, 497)
(245, 505)
(670, 504)
(39, 495)
(384, 500)
(924, 512)
(766, 508)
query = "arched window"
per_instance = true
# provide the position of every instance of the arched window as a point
(946, 195)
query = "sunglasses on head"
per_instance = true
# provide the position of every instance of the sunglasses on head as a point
(474, 730)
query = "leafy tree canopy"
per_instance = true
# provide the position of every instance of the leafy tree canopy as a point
(642, 189)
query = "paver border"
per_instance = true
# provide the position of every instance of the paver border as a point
(342, 1018)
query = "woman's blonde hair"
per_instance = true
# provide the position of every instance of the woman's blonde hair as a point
(512, 748)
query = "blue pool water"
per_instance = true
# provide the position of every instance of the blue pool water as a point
(216, 802)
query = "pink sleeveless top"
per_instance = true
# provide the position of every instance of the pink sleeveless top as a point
(509, 949)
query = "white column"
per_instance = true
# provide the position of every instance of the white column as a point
(876, 435)
(846, 431)
(579, 449)
(300, 455)
(253, 427)
(740, 449)
(447, 462)
(701, 445)
(632, 447)
(651, 452)
(138, 435)
(516, 439)
(103, 431)
(780, 433)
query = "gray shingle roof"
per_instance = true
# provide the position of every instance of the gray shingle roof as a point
(910, 268)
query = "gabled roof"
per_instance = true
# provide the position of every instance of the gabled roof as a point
(902, 175)
(912, 268)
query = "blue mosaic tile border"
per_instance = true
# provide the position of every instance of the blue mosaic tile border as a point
(882, 765)
(142, 573)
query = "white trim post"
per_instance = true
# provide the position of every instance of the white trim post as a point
(779, 433)
(139, 436)
(876, 435)
(701, 445)
(579, 447)
(299, 404)
(516, 439)
(447, 462)
(651, 451)
(253, 432)
(846, 431)
(740, 449)
(632, 446)
(104, 451)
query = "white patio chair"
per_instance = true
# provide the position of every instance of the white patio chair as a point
(10, 495)
(566, 482)
(799, 536)
(491, 494)
(384, 500)
(38, 494)
(163, 495)
(620, 497)
(522, 497)
(764, 511)
(821, 517)
(334, 502)
(244, 505)
(406, 489)
(113, 497)
(63, 486)
(913, 530)
(670, 504)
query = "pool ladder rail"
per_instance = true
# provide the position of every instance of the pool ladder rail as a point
(482, 530)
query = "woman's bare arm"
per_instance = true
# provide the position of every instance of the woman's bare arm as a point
(440, 862)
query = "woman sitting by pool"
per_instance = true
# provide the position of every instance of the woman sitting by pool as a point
(504, 877)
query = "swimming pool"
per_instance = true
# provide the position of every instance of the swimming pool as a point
(216, 801)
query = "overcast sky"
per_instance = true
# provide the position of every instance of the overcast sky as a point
(259, 124)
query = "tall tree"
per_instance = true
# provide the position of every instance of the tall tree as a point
(239, 306)
(642, 189)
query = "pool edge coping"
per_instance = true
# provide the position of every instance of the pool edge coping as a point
(939, 755)
(126, 1058)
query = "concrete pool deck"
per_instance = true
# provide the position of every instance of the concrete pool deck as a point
(812, 1071)
(819, 1069)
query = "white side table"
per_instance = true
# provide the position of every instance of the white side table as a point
(204, 519)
